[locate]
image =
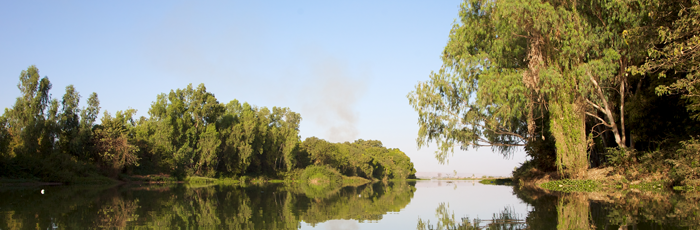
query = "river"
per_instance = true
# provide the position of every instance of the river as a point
(383, 205)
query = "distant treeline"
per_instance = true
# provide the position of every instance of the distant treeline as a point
(188, 133)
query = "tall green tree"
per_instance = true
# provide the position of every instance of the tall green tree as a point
(185, 133)
(510, 63)
(69, 123)
(31, 120)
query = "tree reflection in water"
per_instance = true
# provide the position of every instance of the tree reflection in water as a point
(625, 209)
(506, 219)
(271, 206)
(611, 210)
(286, 206)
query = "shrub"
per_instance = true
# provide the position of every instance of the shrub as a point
(618, 157)
(321, 174)
(686, 162)
(295, 174)
(527, 171)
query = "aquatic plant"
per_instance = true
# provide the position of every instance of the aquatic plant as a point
(569, 185)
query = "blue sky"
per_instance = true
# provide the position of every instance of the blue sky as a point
(346, 66)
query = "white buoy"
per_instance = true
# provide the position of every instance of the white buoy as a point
(42, 192)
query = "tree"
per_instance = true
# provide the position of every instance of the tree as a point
(88, 115)
(4, 138)
(69, 123)
(511, 64)
(31, 120)
(113, 151)
(673, 50)
(185, 132)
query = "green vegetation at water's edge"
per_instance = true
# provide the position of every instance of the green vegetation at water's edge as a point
(574, 185)
(575, 86)
(499, 181)
(188, 135)
(567, 185)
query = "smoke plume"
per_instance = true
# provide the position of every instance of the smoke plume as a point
(331, 98)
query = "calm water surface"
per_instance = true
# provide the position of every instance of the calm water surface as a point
(393, 205)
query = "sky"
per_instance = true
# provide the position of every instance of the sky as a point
(345, 66)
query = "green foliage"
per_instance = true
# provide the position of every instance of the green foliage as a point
(293, 175)
(563, 79)
(568, 185)
(354, 181)
(364, 158)
(674, 35)
(650, 186)
(255, 140)
(502, 181)
(321, 175)
(618, 157)
(112, 149)
(183, 133)
(189, 134)
(527, 171)
(568, 131)
(200, 180)
(686, 162)
(272, 206)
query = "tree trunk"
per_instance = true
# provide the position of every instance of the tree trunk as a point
(568, 128)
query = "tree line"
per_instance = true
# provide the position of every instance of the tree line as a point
(577, 84)
(188, 133)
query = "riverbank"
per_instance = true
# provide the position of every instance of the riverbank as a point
(602, 179)
(167, 179)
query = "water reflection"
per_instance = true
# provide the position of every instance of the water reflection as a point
(294, 206)
(275, 206)
(506, 219)
(610, 210)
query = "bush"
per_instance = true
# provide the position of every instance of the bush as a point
(56, 167)
(321, 174)
(686, 162)
(527, 171)
(295, 174)
(618, 157)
